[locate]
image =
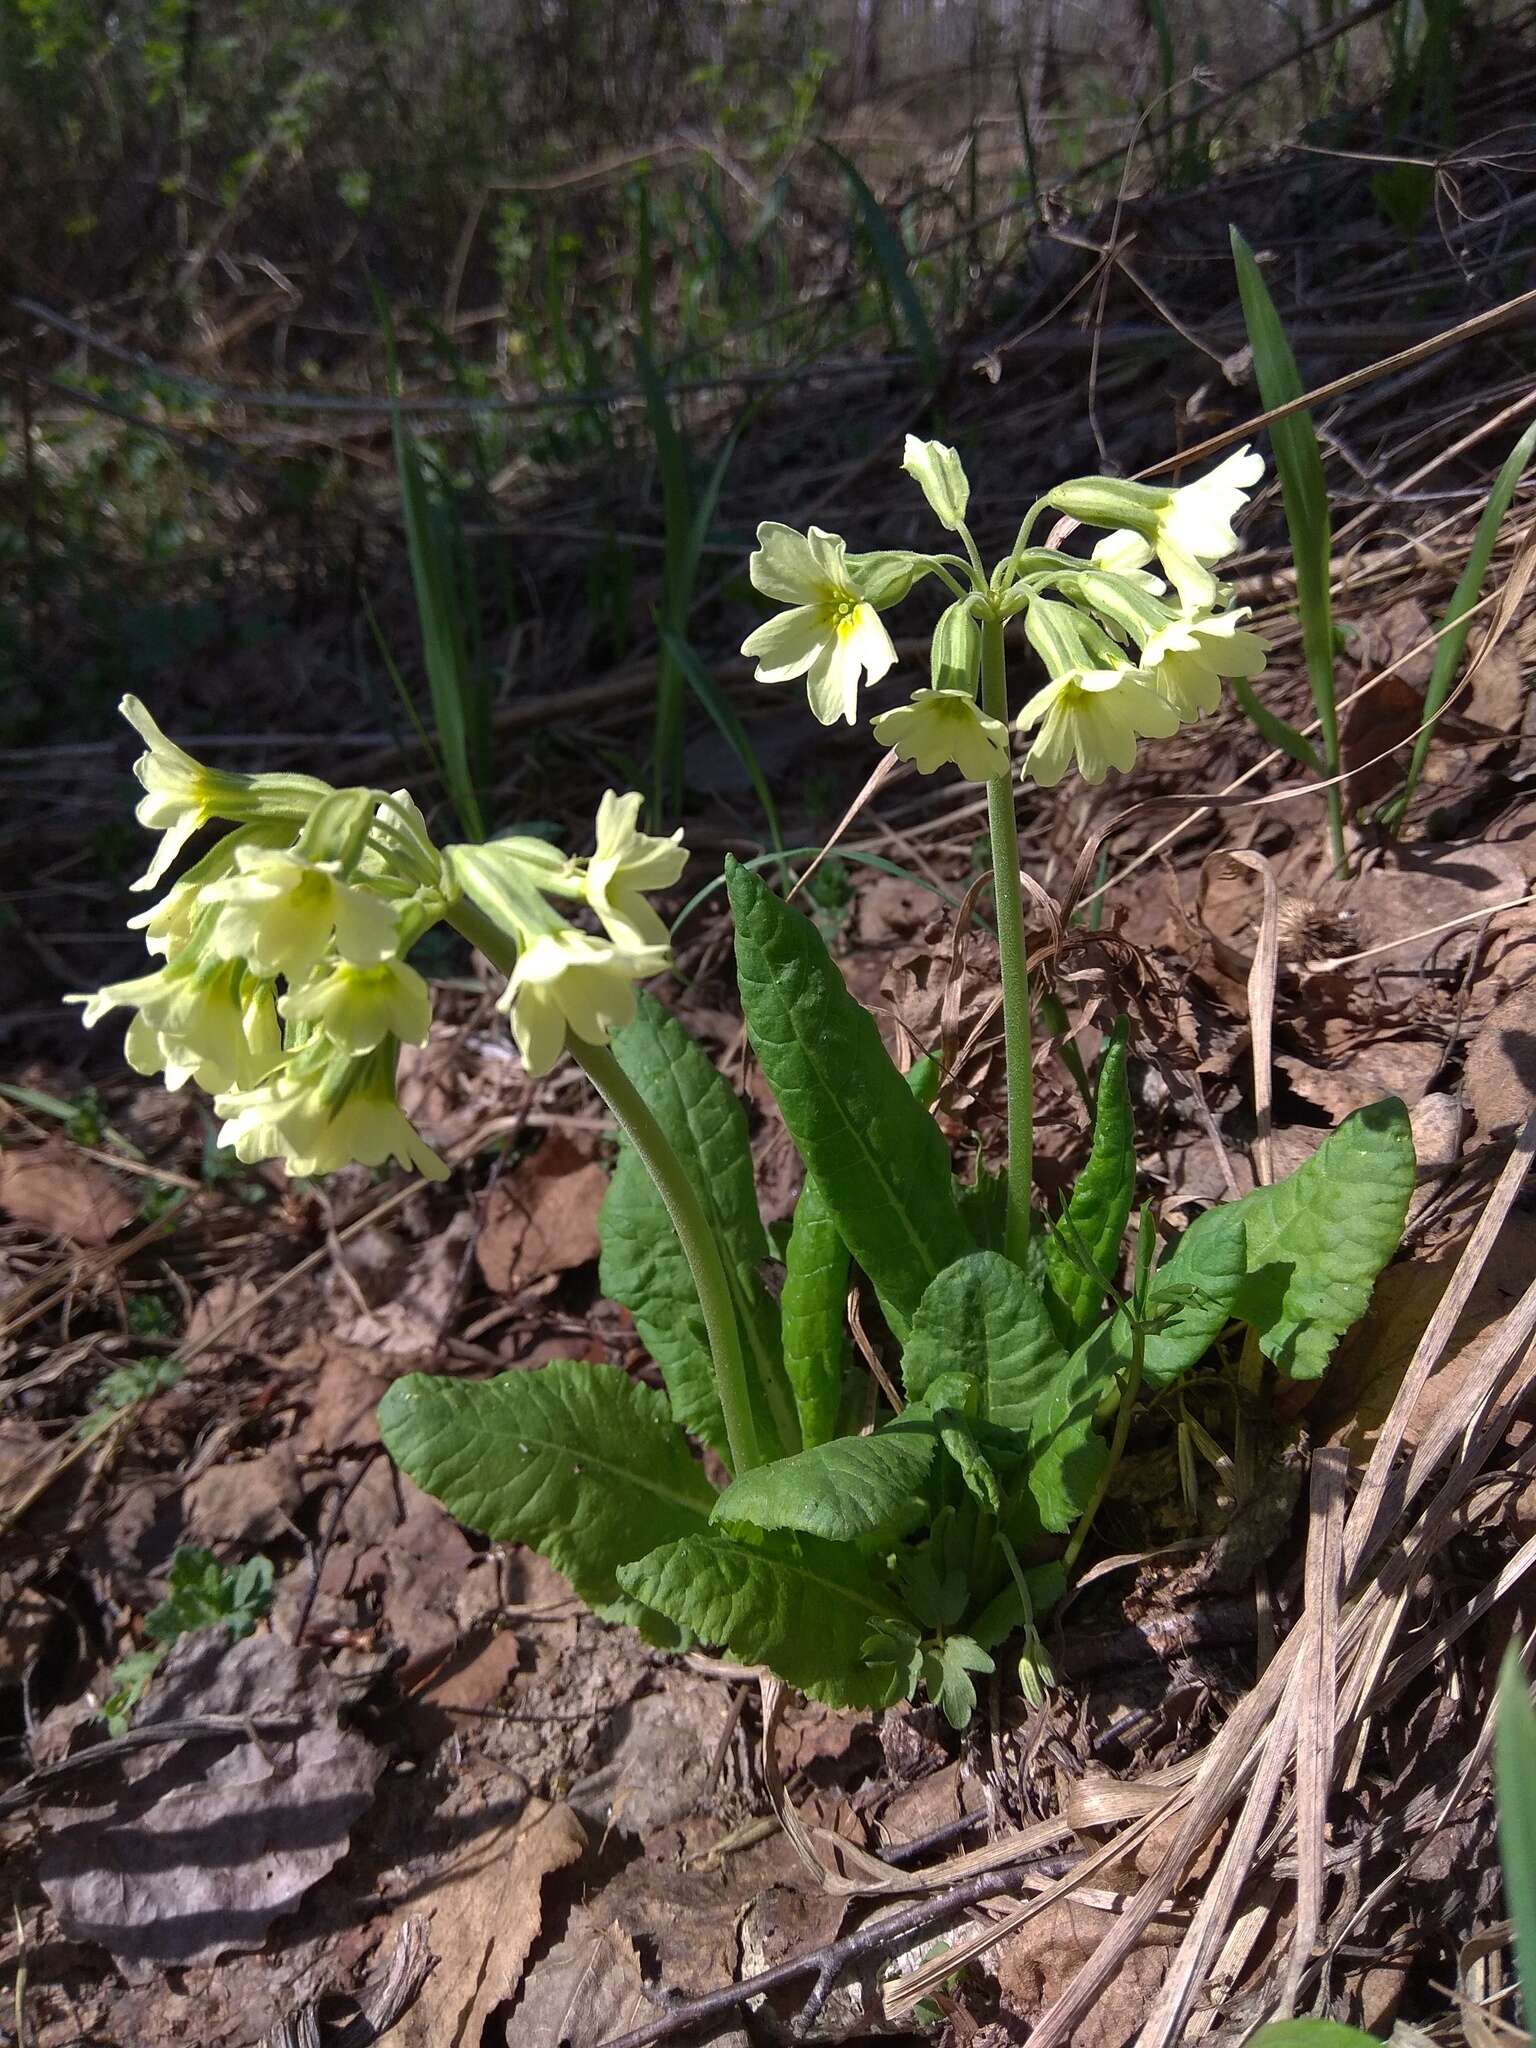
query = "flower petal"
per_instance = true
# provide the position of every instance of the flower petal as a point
(785, 646)
(784, 566)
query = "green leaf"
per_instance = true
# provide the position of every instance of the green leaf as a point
(981, 1316)
(1514, 1777)
(642, 1262)
(813, 1314)
(1317, 1239)
(576, 1460)
(802, 1607)
(1309, 2034)
(1192, 1299)
(880, 1160)
(947, 1675)
(1270, 726)
(1099, 1204)
(849, 1490)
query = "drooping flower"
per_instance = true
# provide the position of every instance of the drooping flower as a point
(831, 635)
(940, 726)
(357, 1008)
(281, 912)
(321, 1110)
(626, 863)
(197, 1017)
(1185, 662)
(566, 980)
(1094, 716)
(1188, 526)
(181, 795)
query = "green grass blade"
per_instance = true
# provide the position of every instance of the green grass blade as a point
(728, 723)
(1272, 727)
(892, 259)
(1305, 492)
(1514, 1777)
(1456, 625)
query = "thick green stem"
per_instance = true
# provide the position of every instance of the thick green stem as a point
(640, 1127)
(1012, 959)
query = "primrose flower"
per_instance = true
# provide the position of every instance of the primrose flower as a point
(1187, 527)
(1095, 716)
(1185, 662)
(197, 1017)
(626, 863)
(568, 981)
(181, 795)
(357, 1008)
(281, 911)
(322, 1110)
(945, 725)
(1124, 553)
(831, 634)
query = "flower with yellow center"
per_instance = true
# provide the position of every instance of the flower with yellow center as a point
(181, 795)
(357, 1008)
(1094, 716)
(198, 1017)
(1185, 662)
(831, 634)
(626, 863)
(568, 981)
(281, 912)
(322, 1110)
(940, 726)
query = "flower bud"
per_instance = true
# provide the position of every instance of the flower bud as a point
(941, 476)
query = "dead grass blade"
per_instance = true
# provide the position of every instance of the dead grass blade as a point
(1261, 1011)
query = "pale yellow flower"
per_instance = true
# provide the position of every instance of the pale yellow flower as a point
(359, 1007)
(1124, 553)
(831, 634)
(321, 1111)
(197, 1017)
(181, 795)
(940, 726)
(1185, 662)
(1187, 527)
(566, 980)
(626, 863)
(1094, 716)
(281, 912)
(940, 474)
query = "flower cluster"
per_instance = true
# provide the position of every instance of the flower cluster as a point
(283, 986)
(1126, 657)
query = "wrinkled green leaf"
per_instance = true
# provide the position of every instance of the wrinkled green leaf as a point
(802, 1607)
(878, 1157)
(849, 1490)
(1192, 1299)
(643, 1265)
(1005, 1611)
(813, 1314)
(1317, 1239)
(981, 1316)
(1067, 1453)
(577, 1460)
(1099, 1204)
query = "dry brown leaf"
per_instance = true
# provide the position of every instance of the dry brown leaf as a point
(1500, 1080)
(1392, 1066)
(660, 1749)
(543, 1218)
(486, 1913)
(205, 1843)
(1036, 1964)
(1423, 890)
(246, 1501)
(586, 1989)
(53, 1188)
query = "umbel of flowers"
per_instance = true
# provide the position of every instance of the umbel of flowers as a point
(283, 986)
